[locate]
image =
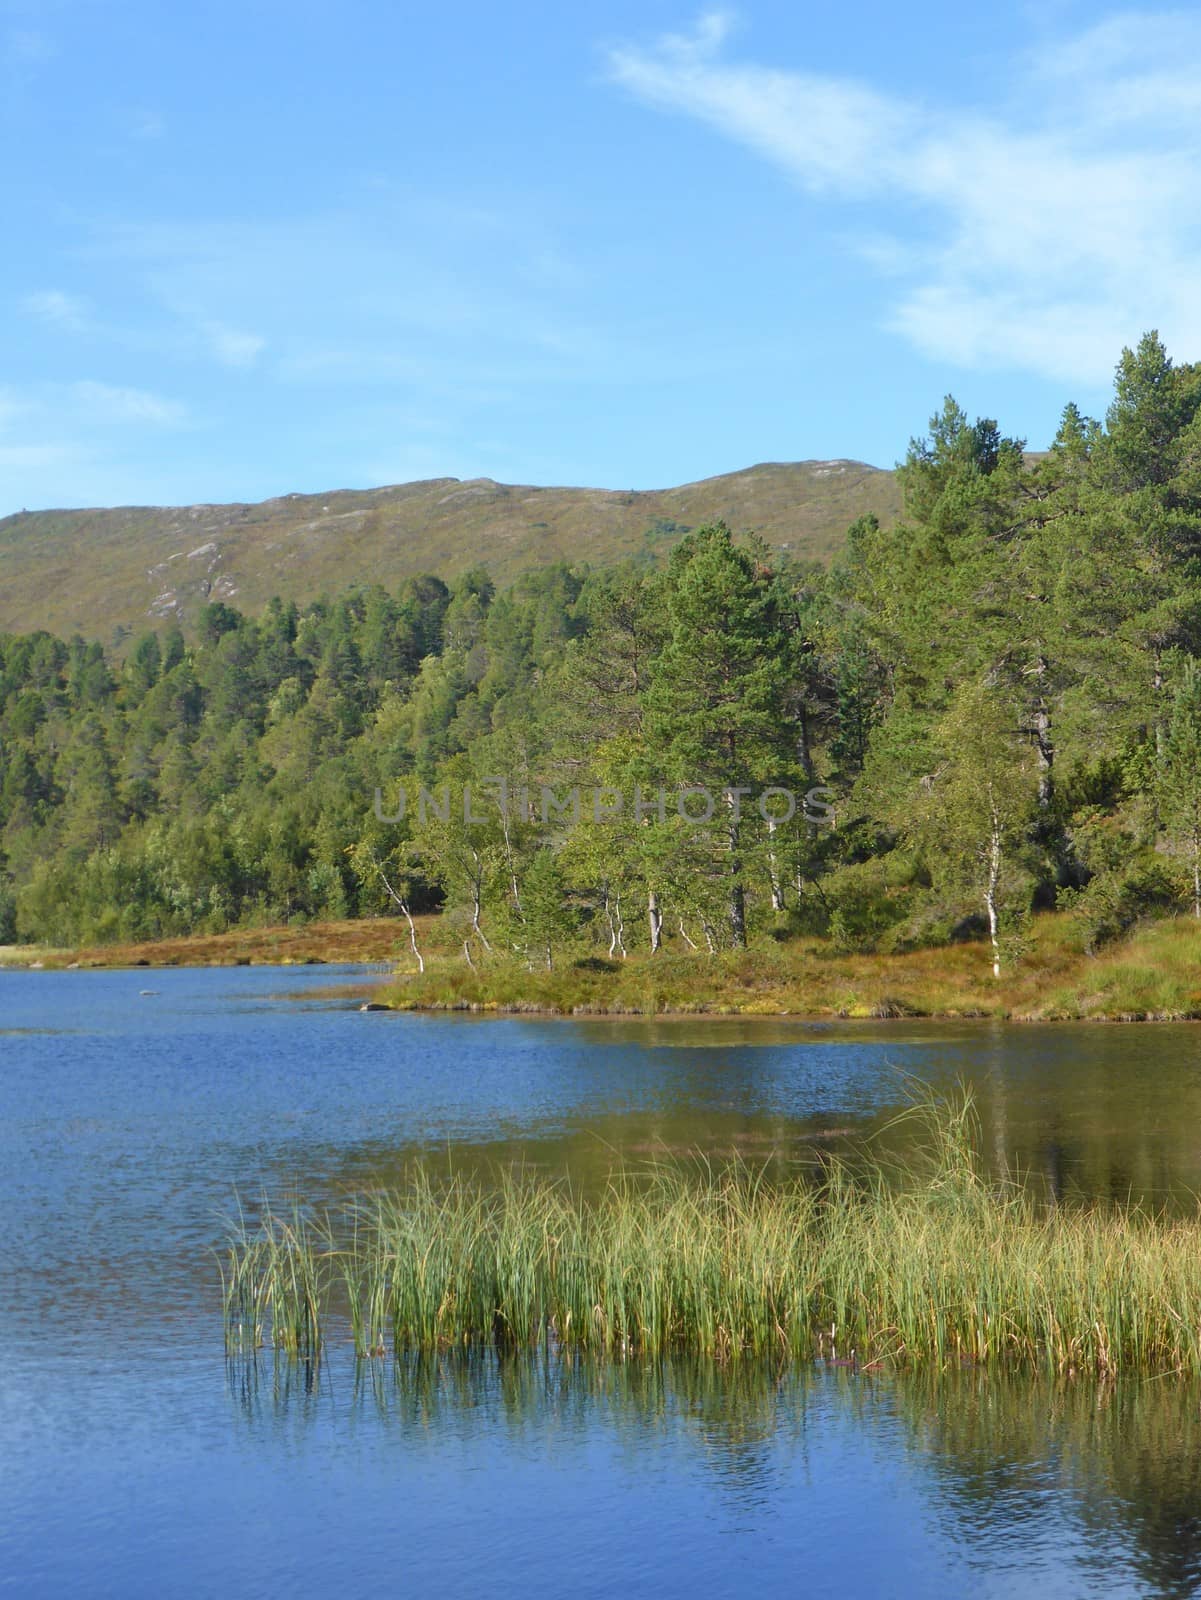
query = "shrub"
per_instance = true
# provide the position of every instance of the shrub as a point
(935, 922)
(1114, 901)
(869, 899)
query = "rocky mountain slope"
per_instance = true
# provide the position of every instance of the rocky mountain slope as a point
(103, 572)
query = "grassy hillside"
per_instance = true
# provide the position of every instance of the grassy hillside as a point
(96, 571)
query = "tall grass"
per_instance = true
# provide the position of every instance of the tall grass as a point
(276, 1281)
(930, 1264)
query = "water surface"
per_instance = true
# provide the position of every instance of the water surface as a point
(136, 1462)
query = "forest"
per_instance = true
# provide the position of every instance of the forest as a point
(997, 700)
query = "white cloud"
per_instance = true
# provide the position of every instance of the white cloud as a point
(11, 407)
(1042, 238)
(64, 443)
(710, 32)
(413, 291)
(231, 347)
(27, 457)
(62, 310)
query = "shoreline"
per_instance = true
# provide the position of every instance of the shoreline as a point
(375, 940)
(801, 1018)
(1153, 975)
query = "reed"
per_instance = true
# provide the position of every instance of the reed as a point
(930, 1264)
(276, 1279)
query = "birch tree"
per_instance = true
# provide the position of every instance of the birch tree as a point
(971, 815)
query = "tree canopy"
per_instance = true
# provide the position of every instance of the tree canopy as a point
(994, 702)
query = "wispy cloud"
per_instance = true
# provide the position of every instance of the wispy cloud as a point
(1042, 237)
(31, 411)
(34, 457)
(11, 407)
(232, 346)
(144, 124)
(74, 442)
(415, 290)
(61, 310)
(112, 405)
(190, 332)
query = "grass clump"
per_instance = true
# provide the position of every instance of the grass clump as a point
(275, 1279)
(933, 1264)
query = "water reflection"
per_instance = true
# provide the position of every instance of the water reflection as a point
(1082, 1112)
(1128, 1455)
(1009, 1469)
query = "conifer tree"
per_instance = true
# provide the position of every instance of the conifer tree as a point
(717, 709)
(1178, 779)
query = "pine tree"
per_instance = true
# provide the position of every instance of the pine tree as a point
(1178, 779)
(717, 709)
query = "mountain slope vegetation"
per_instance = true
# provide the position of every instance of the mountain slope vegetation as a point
(106, 573)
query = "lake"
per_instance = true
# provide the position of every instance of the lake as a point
(137, 1461)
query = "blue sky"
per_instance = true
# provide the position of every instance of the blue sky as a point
(259, 247)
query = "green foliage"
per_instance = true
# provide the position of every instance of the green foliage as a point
(997, 700)
(1116, 900)
(716, 709)
(1178, 774)
(865, 901)
(547, 918)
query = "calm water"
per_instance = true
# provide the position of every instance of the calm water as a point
(134, 1461)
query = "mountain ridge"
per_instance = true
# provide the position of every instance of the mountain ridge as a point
(109, 570)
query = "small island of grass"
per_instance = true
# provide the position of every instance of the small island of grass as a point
(930, 1264)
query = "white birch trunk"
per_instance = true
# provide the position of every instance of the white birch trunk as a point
(994, 881)
(477, 890)
(404, 906)
(777, 888)
(655, 918)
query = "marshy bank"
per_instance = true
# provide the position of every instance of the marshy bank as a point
(1154, 974)
(866, 1262)
(349, 941)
